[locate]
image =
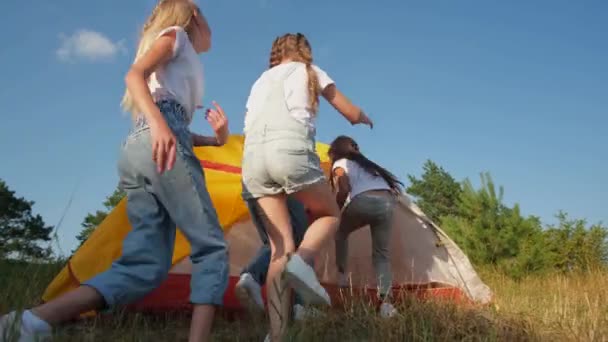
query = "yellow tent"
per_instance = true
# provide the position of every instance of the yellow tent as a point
(429, 264)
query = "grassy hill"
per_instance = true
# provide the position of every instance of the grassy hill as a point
(539, 308)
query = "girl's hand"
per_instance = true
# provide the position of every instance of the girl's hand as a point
(364, 119)
(219, 123)
(163, 146)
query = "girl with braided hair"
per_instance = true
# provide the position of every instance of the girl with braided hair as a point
(163, 179)
(280, 160)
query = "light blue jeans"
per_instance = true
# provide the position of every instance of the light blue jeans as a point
(155, 205)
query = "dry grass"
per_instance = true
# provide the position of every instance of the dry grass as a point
(551, 308)
(573, 307)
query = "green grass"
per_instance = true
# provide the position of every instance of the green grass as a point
(550, 308)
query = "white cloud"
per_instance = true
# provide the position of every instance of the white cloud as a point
(88, 45)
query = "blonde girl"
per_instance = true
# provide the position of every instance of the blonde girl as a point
(163, 179)
(280, 160)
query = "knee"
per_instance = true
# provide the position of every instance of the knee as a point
(331, 211)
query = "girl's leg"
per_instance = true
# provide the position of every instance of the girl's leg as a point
(353, 218)
(381, 234)
(323, 207)
(146, 251)
(302, 277)
(379, 209)
(277, 222)
(187, 200)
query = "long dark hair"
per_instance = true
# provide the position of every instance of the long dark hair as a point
(346, 147)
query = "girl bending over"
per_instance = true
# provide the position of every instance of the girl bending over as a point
(367, 193)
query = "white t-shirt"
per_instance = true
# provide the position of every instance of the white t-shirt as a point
(359, 179)
(296, 91)
(181, 78)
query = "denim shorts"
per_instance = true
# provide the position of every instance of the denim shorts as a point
(279, 154)
(280, 163)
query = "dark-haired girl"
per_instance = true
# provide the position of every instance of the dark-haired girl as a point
(367, 194)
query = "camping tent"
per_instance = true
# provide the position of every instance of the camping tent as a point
(423, 258)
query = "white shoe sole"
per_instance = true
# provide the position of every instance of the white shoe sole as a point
(246, 299)
(308, 294)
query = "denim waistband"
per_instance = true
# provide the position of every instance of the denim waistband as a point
(174, 113)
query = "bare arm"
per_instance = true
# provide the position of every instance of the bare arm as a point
(343, 185)
(163, 139)
(160, 53)
(204, 140)
(342, 104)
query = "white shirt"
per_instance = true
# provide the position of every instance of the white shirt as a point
(296, 91)
(359, 179)
(181, 78)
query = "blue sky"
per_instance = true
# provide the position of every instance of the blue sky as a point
(516, 88)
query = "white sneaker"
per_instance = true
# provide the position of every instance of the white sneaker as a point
(249, 292)
(11, 329)
(267, 339)
(304, 281)
(301, 313)
(387, 310)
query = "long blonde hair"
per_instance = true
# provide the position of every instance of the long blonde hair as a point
(167, 13)
(297, 48)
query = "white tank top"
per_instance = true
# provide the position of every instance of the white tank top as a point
(182, 78)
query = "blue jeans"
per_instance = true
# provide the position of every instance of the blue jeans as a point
(258, 267)
(155, 205)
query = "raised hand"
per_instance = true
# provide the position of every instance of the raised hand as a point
(218, 121)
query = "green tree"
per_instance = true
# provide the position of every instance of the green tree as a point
(91, 221)
(574, 247)
(21, 232)
(492, 233)
(436, 192)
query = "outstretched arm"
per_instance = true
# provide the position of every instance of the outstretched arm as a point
(342, 104)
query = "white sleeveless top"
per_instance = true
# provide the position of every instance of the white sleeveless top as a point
(296, 91)
(182, 78)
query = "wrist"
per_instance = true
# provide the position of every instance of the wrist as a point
(222, 136)
(156, 121)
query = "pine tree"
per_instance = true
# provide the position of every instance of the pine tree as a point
(492, 233)
(436, 192)
(91, 221)
(21, 232)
